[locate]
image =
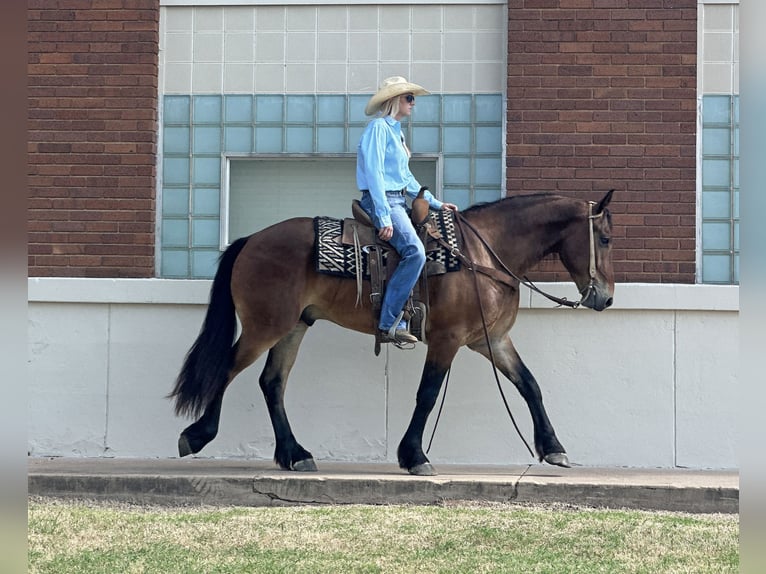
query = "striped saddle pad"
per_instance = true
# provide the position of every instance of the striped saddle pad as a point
(333, 256)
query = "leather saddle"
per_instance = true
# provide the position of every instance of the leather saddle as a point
(359, 232)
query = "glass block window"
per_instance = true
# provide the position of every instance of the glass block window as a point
(718, 154)
(202, 133)
(720, 189)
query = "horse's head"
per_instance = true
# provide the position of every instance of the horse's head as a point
(588, 255)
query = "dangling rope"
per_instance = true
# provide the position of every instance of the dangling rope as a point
(489, 345)
(473, 268)
(439, 414)
(494, 367)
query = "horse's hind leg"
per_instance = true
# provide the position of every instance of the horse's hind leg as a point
(510, 364)
(198, 434)
(245, 352)
(288, 454)
(201, 432)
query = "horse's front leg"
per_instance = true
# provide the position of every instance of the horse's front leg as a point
(507, 360)
(410, 452)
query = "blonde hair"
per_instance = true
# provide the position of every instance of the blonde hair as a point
(391, 108)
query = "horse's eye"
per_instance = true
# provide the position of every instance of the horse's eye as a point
(604, 240)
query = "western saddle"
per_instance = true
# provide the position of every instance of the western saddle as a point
(361, 233)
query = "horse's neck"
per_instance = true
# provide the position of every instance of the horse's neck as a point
(521, 232)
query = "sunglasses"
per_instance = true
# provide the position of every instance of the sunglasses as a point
(410, 98)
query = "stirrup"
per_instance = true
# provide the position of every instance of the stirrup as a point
(400, 338)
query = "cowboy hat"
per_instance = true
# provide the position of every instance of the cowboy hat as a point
(392, 87)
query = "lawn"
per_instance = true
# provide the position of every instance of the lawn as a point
(81, 537)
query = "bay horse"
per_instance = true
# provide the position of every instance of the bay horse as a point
(269, 281)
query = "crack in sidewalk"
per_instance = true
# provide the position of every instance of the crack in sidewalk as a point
(274, 496)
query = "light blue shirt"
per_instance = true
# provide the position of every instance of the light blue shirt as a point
(382, 164)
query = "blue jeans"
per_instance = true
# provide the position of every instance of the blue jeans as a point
(413, 257)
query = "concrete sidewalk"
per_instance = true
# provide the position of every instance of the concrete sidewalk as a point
(260, 483)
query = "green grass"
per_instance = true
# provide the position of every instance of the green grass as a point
(66, 537)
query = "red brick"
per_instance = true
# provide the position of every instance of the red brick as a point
(93, 100)
(676, 255)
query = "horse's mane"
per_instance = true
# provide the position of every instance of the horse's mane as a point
(519, 202)
(525, 198)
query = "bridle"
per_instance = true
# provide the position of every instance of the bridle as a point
(561, 301)
(592, 246)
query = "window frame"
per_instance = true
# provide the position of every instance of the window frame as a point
(225, 202)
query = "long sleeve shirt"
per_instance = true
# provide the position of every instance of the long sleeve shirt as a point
(382, 164)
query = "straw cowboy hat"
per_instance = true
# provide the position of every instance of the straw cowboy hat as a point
(392, 87)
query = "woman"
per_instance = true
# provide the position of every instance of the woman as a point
(384, 178)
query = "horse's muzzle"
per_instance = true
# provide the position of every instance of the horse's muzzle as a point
(597, 299)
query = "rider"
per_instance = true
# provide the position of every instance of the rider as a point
(384, 178)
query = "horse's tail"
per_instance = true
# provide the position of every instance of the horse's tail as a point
(205, 371)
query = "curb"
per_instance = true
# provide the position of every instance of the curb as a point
(207, 484)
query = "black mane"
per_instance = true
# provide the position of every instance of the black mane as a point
(477, 207)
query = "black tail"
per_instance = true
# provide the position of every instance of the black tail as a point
(206, 368)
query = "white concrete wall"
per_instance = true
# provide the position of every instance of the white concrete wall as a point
(651, 382)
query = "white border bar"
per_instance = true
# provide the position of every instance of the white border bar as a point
(634, 296)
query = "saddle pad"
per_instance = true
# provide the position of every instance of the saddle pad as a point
(444, 221)
(333, 258)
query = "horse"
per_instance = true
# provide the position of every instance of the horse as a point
(269, 281)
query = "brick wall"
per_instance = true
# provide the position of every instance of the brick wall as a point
(92, 137)
(601, 95)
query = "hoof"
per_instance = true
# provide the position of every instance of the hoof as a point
(305, 465)
(557, 458)
(424, 469)
(184, 448)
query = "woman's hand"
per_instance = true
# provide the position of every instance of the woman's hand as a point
(449, 207)
(386, 233)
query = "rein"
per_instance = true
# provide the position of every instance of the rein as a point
(494, 273)
(497, 275)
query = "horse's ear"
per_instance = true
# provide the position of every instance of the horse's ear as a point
(604, 202)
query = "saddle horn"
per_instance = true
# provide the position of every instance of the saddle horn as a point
(420, 208)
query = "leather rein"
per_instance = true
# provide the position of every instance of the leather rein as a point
(498, 275)
(504, 275)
